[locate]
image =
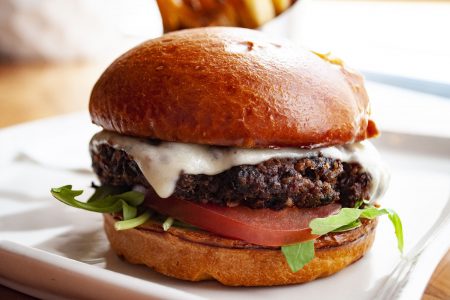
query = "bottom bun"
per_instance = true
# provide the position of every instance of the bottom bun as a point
(197, 255)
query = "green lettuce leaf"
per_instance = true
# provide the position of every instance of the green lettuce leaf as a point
(298, 255)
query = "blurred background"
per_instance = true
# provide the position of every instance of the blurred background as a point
(52, 52)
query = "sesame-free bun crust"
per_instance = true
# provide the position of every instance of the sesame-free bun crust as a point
(198, 255)
(231, 87)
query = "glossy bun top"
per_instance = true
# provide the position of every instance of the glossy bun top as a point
(231, 87)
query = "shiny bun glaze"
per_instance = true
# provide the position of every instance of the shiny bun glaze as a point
(199, 255)
(231, 87)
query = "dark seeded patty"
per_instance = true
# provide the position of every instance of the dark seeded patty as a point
(275, 183)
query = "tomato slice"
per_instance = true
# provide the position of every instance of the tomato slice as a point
(258, 226)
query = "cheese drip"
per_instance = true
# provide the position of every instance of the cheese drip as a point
(163, 163)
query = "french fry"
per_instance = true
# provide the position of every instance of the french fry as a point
(169, 15)
(210, 5)
(192, 4)
(226, 17)
(190, 18)
(281, 5)
(177, 14)
(254, 13)
(231, 15)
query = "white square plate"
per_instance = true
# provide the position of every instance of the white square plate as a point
(59, 251)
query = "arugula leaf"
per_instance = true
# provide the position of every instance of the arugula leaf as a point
(129, 212)
(395, 220)
(66, 195)
(104, 202)
(131, 223)
(349, 226)
(110, 203)
(321, 226)
(109, 199)
(358, 203)
(103, 191)
(346, 218)
(65, 192)
(373, 212)
(131, 197)
(167, 223)
(298, 255)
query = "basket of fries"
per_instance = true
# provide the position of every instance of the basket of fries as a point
(181, 14)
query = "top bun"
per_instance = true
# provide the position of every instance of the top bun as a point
(231, 87)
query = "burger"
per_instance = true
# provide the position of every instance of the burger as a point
(231, 156)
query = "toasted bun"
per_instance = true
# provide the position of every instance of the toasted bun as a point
(231, 87)
(197, 255)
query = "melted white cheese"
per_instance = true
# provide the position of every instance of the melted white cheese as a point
(163, 163)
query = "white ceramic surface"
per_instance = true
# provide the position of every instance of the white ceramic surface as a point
(53, 152)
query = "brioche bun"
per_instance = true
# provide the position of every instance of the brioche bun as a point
(198, 255)
(231, 87)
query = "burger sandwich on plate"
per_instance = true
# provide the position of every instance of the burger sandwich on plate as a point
(228, 155)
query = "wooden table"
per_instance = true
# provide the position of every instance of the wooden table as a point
(29, 92)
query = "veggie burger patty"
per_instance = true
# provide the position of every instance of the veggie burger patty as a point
(275, 183)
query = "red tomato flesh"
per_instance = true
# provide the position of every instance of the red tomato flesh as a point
(258, 226)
